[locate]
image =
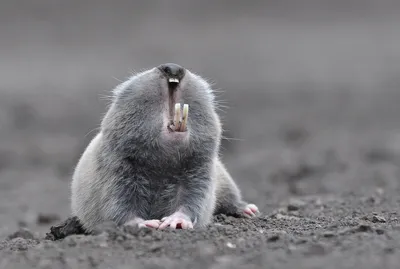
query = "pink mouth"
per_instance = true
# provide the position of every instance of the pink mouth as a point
(177, 121)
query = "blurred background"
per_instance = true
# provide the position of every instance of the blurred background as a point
(312, 90)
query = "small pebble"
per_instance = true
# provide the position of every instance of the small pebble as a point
(273, 238)
(377, 218)
(230, 245)
(328, 234)
(155, 247)
(363, 227)
(103, 245)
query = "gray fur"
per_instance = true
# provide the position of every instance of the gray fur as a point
(131, 170)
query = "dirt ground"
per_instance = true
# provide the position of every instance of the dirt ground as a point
(312, 125)
(349, 231)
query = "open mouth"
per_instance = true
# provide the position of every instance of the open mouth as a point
(179, 121)
(178, 115)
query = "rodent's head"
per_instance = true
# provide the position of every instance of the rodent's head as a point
(143, 110)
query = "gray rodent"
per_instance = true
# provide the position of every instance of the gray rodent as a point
(139, 171)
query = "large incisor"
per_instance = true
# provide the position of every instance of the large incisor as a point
(180, 123)
(184, 117)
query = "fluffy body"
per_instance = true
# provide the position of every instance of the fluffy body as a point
(135, 170)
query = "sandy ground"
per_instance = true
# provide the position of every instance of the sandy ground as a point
(349, 231)
(312, 122)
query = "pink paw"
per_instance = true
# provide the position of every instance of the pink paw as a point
(177, 220)
(154, 223)
(251, 210)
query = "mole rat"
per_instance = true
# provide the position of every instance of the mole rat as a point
(153, 164)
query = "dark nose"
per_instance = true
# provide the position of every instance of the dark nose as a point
(172, 70)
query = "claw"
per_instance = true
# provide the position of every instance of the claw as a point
(154, 223)
(150, 224)
(177, 220)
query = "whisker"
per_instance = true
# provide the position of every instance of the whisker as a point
(117, 79)
(91, 131)
(232, 139)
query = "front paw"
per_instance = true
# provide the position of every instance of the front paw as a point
(178, 220)
(249, 211)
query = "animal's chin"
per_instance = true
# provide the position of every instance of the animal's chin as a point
(177, 137)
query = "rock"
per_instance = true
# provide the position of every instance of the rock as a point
(273, 238)
(68, 227)
(377, 218)
(230, 245)
(156, 247)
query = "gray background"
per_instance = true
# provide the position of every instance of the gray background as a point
(311, 88)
